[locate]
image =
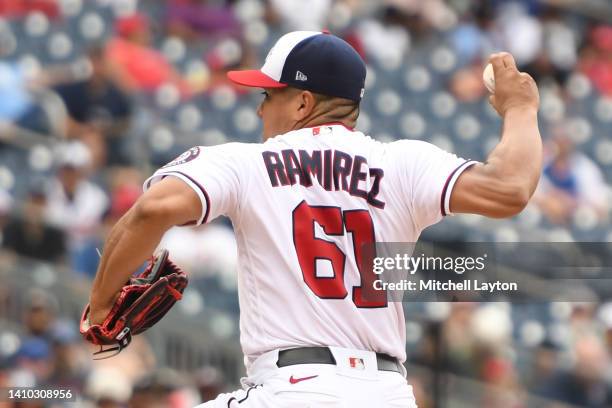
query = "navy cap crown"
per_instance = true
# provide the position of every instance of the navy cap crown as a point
(327, 65)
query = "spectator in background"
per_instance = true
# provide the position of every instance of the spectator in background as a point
(226, 54)
(544, 365)
(476, 35)
(137, 65)
(39, 314)
(295, 15)
(193, 20)
(570, 180)
(108, 388)
(33, 363)
(596, 59)
(559, 49)
(6, 206)
(466, 84)
(522, 33)
(17, 106)
(16, 9)
(605, 318)
(212, 250)
(209, 382)
(99, 111)
(132, 362)
(423, 16)
(163, 388)
(506, 391)
(125, 184)
(15, 101)
(76, 205)
(29, 235)
(386, 39)
(459, 340)
(585, 385)
(68, 359)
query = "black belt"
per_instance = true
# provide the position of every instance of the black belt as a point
(323, 355)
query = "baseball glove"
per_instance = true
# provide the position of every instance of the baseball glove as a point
(142, 302)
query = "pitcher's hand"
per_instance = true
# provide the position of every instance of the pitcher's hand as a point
(513, 89)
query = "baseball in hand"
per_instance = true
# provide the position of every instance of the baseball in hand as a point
(488, 76)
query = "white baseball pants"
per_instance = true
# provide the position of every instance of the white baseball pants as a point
(343, 385)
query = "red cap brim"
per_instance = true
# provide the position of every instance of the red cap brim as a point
(254, 78)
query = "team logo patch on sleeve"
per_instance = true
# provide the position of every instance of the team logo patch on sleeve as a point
(185, 157)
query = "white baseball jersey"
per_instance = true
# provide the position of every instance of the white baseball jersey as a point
(302, 205)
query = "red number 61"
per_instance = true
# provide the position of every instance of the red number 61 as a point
(309, 249)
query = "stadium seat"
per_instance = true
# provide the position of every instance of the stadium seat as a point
(59, 46)
(71, 8)
(256, 32)
(417, 79)
(91, 26)
(443, 59)
(167, 96)
(161, 139)
(603, 109)
(7, 178)
(223, 98)
(412, 126)
(36, 24)
(443, 105)
(189, 118)
(579, 130)
(579, 86)
(603, 152)
(388, 102)
(174, 49)
(467, 127)
(246, 120)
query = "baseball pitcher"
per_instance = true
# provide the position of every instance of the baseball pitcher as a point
(303, 203)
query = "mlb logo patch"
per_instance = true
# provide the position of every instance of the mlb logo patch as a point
(321, 130)
(357, 363)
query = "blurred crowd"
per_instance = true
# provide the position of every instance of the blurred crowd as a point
(48, 353)
(95, 168)
(567, 366)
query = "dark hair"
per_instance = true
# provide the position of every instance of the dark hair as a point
(338, 108)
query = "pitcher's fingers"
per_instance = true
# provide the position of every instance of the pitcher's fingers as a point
(508, 60)
(496, 60)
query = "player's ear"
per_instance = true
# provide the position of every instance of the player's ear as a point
(306, 104)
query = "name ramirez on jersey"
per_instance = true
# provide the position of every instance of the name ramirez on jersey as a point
(334, 170)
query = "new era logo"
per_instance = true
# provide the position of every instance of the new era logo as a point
(299, 76)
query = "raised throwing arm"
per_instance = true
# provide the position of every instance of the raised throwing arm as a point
(502, 185)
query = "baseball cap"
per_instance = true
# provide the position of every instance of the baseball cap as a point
(311, 60)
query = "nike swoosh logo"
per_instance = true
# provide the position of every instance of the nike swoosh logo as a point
(297, 380)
